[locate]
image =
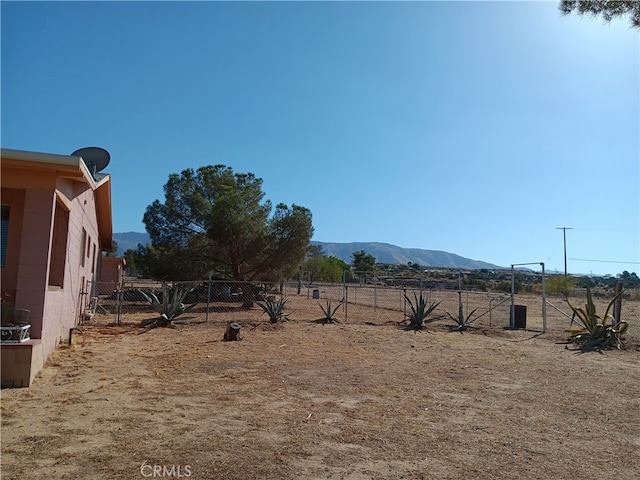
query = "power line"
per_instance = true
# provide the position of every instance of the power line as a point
(603, 261)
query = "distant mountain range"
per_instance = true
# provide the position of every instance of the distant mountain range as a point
(387, 253)
(130, 240)
(383, 252)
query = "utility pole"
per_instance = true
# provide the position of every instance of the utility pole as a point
(564, 234)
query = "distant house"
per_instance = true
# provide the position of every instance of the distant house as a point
(56, 222)
(111, 275)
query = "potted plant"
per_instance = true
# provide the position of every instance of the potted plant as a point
(15, 326)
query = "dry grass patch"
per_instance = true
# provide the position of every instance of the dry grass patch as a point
(298, 399)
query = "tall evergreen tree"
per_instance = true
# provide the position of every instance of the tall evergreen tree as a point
(220, 220)
(608, 9)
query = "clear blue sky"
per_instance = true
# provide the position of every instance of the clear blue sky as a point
(476, 128)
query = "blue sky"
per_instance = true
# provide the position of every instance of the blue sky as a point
(476, 128)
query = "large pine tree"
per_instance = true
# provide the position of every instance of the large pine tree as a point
(220, 221)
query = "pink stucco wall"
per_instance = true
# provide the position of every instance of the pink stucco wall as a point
(15, 198)
(63, 307)
(54, 309)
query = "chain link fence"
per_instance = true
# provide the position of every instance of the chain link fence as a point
(221, 302)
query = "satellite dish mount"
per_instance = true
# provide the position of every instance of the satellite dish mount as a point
(95, 158)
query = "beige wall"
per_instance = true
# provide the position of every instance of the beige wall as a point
(20, 363)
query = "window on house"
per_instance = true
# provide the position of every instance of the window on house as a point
(93, 261)
(83, 246)
(58, 246)
(4, 234)
(88, 246)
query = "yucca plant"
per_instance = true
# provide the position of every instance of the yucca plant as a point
(462, 323)
(170, 307)
(420, 312)
(329, 312)
(595, 332)
(274, 308)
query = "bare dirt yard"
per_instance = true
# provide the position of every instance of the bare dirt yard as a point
(302, 400)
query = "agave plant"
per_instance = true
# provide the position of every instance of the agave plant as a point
(274, 308)
(462, 323)
(171, 306)
(420, 312)
(329, 312)
(595, 332)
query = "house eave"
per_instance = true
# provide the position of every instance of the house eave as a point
(104, 213)
(67, 166)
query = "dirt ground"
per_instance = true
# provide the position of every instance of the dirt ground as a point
(301, 400)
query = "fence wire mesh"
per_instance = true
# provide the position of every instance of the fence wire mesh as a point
(221, 302)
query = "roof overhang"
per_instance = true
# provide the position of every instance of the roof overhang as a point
(114, 261)
(73, 168)
(67, 166)
(104, 213)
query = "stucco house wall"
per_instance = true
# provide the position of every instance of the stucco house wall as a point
(59, 225)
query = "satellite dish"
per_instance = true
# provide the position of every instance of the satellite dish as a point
(96, 158)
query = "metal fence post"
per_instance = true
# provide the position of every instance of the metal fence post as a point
(375, 298)
(346, 303)
(119, 300)
(617, 306)
(513, 294)
(544, 301)
(206, 318)
(404, 302)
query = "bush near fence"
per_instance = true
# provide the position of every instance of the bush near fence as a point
(222, 301)
(368, 303)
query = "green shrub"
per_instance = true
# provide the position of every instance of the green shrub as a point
(595, 332)
(274, 308)
(420, 312)
(329, 313)
(560, 285)
(462, 323)
(170, 307)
